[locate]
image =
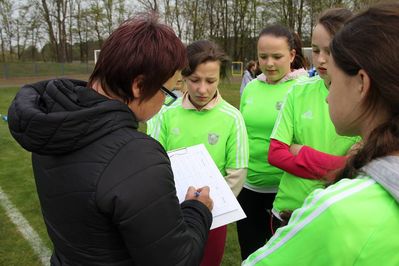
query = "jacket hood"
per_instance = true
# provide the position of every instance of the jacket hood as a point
(385, 171)
(292, 75)
(60, 116)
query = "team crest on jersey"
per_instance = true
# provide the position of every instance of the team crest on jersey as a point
(249, 101)
(176, 131)
(307, 115)
(213, 138)
(279, 104)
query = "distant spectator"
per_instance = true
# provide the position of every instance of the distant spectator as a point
(249, 74)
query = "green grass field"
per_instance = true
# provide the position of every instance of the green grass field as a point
(17, 182)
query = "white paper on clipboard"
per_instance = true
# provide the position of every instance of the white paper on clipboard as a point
(193, 166)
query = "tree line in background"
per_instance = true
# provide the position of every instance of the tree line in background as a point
(68, 30)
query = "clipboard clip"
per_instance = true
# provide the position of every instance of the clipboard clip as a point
(176, 152)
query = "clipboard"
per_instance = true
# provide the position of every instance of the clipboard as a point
(193, 166)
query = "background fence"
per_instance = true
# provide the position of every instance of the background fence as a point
(48, 69)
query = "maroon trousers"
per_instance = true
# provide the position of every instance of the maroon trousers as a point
(214, 248)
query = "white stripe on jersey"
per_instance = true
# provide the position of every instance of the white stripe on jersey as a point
(242, 151)
(350, 190)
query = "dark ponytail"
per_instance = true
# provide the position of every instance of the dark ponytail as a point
(383, 140)
(299, 60)
(364, 43)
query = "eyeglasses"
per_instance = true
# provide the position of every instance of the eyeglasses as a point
(170, 97)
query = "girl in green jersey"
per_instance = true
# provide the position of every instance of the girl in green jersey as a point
(356, 220)
(304, 143)
(281, 61)
(202, 116)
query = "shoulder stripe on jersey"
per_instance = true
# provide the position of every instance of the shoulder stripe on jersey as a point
(345, 184)
(308, 81)
(280, 113)
(242, 149)
(269, 248)
(241, 138)
(316, 196)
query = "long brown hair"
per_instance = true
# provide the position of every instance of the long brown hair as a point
(370, 41)
(333, 19)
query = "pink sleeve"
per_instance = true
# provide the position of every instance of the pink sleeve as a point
(309, 163)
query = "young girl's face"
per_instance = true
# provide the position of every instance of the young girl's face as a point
(203, 83)
(320, 51)
(275, 57)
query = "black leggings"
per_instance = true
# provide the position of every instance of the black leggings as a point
(255, 230)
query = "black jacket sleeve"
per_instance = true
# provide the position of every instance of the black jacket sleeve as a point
(137, 191)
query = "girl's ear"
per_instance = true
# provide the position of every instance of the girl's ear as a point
(364, 83)
(292, 55)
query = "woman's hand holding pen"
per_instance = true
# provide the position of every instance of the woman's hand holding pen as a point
(200, 194)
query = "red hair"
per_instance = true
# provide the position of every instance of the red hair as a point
(142, 48)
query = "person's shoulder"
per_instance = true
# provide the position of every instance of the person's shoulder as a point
(308, 80)
(174, 107)
(132, 139)
(333, 201)
(308, 85)
(169, 111)
(340, 190)
(229, 109)
(254, 83)
(136, 152)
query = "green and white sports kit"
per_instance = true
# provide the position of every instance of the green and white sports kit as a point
(304, 119)
(221, 129)
(260, 105)
(353, 222)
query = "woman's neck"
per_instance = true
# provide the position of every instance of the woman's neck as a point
(98, 88)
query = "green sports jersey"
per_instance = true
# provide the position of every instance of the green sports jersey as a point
(260, 104)
(304, 119)
(354, 222)
(154, 120)
(221, 129)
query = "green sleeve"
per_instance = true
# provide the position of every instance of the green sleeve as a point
(243, 96)
(156, 128)
(151, 125)
(331, 228)
(298, 243)
(237, 145)
(284, 127)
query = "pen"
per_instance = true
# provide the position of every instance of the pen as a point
(196, 193)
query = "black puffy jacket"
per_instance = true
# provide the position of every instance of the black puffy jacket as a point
(106, 190)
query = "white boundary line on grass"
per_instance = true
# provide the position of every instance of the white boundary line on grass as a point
(25, 229)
